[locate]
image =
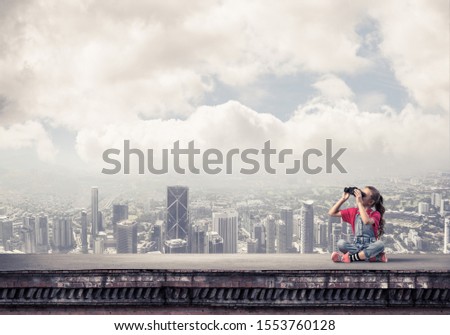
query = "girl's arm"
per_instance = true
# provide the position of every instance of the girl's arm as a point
(334, 211)
(362, 210)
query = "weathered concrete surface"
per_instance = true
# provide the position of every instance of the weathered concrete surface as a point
(221, 284)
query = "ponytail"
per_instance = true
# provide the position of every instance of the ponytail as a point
(378, 199)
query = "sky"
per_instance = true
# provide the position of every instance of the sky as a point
(80, 77)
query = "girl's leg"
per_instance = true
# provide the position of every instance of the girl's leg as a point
(345, 247)
(372, 250)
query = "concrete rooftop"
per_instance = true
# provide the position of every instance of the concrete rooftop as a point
(224, 262)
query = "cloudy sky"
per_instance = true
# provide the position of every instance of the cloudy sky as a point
(79, 77)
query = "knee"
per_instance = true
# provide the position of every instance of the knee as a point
(341, 244)
(379, 245)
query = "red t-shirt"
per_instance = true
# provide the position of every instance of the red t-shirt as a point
(349, 215)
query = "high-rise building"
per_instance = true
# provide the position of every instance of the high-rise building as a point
(423, 208)
(287, 215)
(260, 236)
(332, 222)
(335, 237)
(446, 234)
(84, 232)
(157, 236)
(252, 244)
(320, 236)
(6, 230)
(436, 199)
(226, 224)
(271, 234)
(445, 207)
(119, 213)
(100, 222)
(28, 235)
(197, 239)
(42, 234)
(281, 237)
(177, 212)
(127, 237)
(215, 243)
(63, 233)
(94, 211)
(307, 228)
(99, 245)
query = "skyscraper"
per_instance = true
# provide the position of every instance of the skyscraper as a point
(28, 235)
(197, 239)
(215, 243)
(177, 212)
(226, 224)
(446, 234)
(127, 237)
(63, 233)
(260, 236)
(42, 234)
(332, 222)
(287, 215)
(281, 237)
(307, 228)
(94, 211)
(6, 227)
(271, 233)
(119, 213)
(84, 232)
(252, 245)
(156, 236)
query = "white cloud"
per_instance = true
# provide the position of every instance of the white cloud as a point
(333, 87)
(415, 40)
(25, 135)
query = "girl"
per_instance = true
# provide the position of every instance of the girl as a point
(367, 226)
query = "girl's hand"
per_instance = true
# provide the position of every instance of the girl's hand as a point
(345, 196)
(358, 196)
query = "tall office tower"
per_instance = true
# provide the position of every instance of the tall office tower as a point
(346, 231)
(215, 243)
(177, 212)
(28, 236)
(175, 246)
(445, 207)
(281, 237)
(322, 235)
(436, 199)
(226, 224)
(332, 222)
(423, 208)
(335, 237)
(100, 221)
(127, 237)
(287, 215)
(84, 232)
(63, 233)
(99, 245)
(307, 228)
(446, 234)
(271, 233)
(157, 236)
(42, 234)
(259, 234)
(94, 211)
(252, 244)
(197, 239)
(119, 213)
(6, 227)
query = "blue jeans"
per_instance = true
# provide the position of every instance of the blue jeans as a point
(370, 249)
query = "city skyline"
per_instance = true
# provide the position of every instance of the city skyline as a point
(414, 224)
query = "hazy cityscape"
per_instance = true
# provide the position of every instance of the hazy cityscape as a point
(187, 219)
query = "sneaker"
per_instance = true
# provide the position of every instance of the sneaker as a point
(346, 258)
(336, 257)
(383, 258)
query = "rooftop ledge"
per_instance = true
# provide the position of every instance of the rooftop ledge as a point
(230, 283)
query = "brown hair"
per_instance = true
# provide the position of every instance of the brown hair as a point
(378, 202)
